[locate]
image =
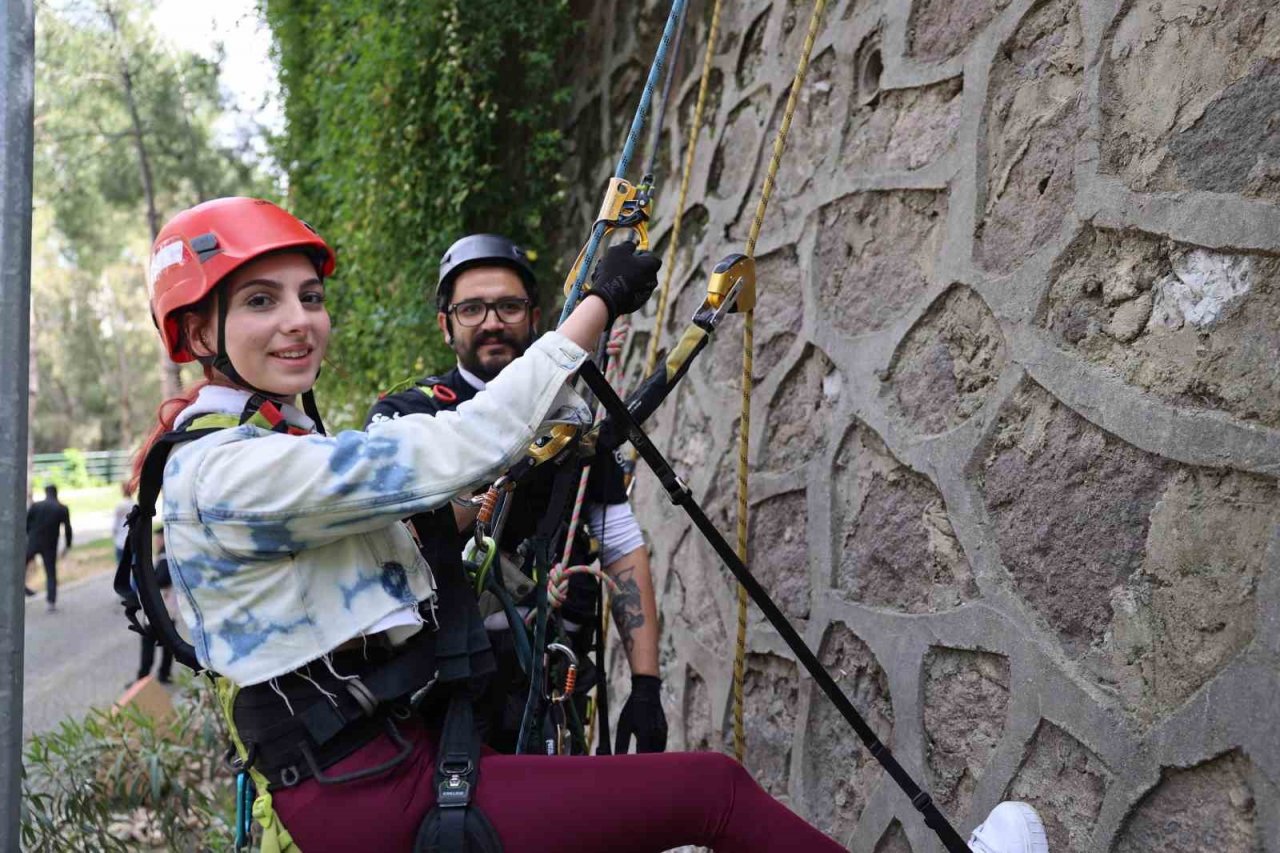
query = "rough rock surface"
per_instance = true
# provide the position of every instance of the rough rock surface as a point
(1207, 807)
(839, 774)
(1035, 118)
(899, 549)
(905, 129)
(780, 548)
(939, 29)
(799, 419)
(894, 840)
(869, 239)
(1191, 97)
(775, 684)
(1186, 323)
(966, 700)
(1065, 782)
(1070, 505)
(949, 362)
(1016, 393)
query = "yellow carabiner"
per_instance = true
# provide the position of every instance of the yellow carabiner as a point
(621, 209)
(549, 448)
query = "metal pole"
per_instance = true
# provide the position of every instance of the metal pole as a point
(17, 69)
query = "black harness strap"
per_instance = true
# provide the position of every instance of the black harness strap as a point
(456, 825)
(135, 560)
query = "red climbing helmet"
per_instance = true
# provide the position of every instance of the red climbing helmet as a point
(204, 244)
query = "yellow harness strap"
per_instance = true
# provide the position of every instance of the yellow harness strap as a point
(275, 838)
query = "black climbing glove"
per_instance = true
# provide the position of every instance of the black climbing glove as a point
(625, 279)
(643, 717)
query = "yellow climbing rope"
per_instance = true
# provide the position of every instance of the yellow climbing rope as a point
(704, 85)
(748, 338)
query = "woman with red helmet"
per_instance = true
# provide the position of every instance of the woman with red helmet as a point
(300, 587)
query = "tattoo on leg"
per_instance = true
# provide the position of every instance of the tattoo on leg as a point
(627, 610)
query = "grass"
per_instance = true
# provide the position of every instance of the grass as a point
(82, 561)
(95, 499)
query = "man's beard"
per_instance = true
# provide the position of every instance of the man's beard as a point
(470, 359)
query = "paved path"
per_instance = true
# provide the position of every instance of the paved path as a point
(76, 658)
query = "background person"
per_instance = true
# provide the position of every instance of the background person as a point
(44, 519)
(487, 312)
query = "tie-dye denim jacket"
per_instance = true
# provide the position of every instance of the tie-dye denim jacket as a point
(283, 547)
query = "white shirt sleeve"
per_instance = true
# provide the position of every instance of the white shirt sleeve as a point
(616, 527)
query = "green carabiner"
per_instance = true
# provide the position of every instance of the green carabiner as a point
(483, 565)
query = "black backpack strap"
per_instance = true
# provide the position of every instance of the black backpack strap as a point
(135, 560)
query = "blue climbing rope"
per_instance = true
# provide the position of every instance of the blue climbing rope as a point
(628, 149)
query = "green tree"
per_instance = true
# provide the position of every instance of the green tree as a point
(409, 124)
(124, 136)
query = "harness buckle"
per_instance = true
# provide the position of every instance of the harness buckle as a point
(363, 695)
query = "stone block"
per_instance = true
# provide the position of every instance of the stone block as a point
(894, 840)
(1070, 505)
(735, 155)
(866, 240)
(948, 363)
(898, 549)
(752, 52)
(900, 129)
(1035, 116)
(771, 690)
(798, 419)
(689, 596)
(779, 552)
(966, 700)
(1186, 323)
(940, 29)
(699, 731)
(839, 773)
(1206, 807)
(779, 309)
(1191, 97)
(1066, 782)
(1192, 605)
(625, 85)
(812, 127)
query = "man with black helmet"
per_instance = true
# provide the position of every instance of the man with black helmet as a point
(487, 310)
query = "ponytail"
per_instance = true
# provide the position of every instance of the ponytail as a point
(166, 415)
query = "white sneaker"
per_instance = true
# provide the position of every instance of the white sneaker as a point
(1012, 827)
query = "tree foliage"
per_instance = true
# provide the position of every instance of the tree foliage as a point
(110, 90)
(408, 125)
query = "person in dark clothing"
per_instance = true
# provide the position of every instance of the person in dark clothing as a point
(160, 561)
(488, 314)
(44, 518)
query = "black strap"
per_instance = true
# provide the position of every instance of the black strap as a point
(680, 495)
(543, 541)
(413, 668)
(456, 824)
(135, 559)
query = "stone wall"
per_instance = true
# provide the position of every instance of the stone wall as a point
(1017, 412)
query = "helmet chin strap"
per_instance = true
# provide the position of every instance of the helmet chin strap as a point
(221, 362)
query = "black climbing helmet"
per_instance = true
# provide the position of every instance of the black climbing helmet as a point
(477, 250)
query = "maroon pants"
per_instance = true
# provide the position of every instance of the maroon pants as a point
(620, 804)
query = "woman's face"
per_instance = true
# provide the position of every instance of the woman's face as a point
(277, 326)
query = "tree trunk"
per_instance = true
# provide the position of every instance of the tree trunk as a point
(170, 375)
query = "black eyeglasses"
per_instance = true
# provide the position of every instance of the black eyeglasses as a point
(472, 312)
